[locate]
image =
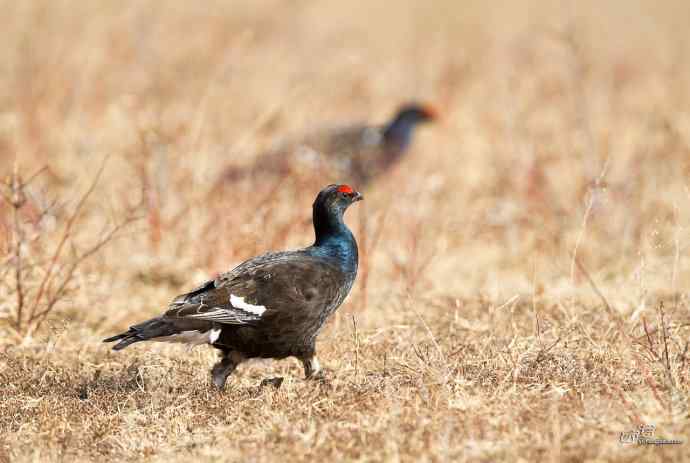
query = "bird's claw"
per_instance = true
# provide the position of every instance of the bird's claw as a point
(275, 382)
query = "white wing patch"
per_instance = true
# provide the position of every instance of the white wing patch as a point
(192, 337)
(213, 335)
(238, 302)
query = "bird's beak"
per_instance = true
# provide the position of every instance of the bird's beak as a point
(432, 113)
(357, 197)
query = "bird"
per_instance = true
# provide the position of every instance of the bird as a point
(270, 306)
(355, 154)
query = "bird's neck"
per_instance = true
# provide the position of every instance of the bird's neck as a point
(334, 239)
(399, 133)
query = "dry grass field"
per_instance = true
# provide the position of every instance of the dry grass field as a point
(524, 289)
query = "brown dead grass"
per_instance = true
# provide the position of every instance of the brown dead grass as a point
(526, 271)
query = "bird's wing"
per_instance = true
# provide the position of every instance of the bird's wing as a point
(211, 302)
(348, 141)
(263, 288)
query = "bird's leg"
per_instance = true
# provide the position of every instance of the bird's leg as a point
(225, 367)
(312, 369)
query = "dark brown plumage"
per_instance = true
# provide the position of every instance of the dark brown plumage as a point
(271, 306)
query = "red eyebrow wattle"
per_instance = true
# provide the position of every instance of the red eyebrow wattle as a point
(345, 189)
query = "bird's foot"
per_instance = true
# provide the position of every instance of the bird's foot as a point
(275, 382)
(219, 375)
(321, 381)
(223, 369)
(318, 376)
(312, 368)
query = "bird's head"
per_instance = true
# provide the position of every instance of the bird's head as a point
(329, 207)
(336, 198)
(333, 238)
(415, 113)
(398, 133)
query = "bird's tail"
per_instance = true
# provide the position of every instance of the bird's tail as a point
(154, 328)
(272, 163)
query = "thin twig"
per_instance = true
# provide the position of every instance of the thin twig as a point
(40, 317)
(650, 345)
(666, 362)
(543, 352)
(649, 379)
(17, 201)
(66, 234)
(596, 290)
(356, 335)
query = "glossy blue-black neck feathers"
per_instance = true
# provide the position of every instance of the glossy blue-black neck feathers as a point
(398, 133)
(334, 240)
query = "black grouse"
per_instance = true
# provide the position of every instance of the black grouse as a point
(354, 154)
(271, 306)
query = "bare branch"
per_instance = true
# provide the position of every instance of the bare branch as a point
(66, 234)
(40, 317)
(17, 201)
(665, 362)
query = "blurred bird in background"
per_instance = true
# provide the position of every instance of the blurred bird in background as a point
(354, 154)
